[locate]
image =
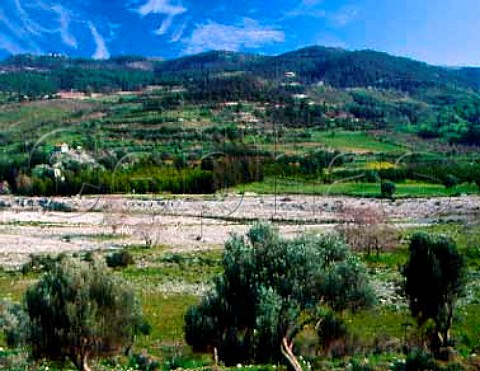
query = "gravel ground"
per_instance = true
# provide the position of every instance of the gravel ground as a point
(189, 223)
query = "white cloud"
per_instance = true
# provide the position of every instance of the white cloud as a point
(178, 33)
(102, 51)
(337, 19)
(215, 36)
(30, 25)
(29, 28)
(165, 26)
(64, 20)
(163, 7)
(20, 36)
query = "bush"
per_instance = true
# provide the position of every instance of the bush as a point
(419, 360)
(120, 259)
(80, 311)
(13, 323)
(371, 176)
(41, 263)
(387, 189)
(450, 181)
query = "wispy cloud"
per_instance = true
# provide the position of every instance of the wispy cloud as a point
(25, 29)
(18, 39)
(29, 24)
(307, 8)
(101, 51)
(215, 36)
(313, 8)
(64, 20)
(165, 26)
(344, 16)
(177, 35)
(162, 7)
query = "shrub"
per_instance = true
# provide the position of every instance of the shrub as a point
(14, 324)
(450, 181)
(387, 189)
(41, 263)
(79, 311)
(330, 329)
(366, 229)
(371, 176)
(419, 360)
(120, 259)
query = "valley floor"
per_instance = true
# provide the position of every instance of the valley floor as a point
(194, 223)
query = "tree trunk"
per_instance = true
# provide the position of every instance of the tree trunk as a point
(85, 366)
(81, 362)
(288, 353)
(446, 331)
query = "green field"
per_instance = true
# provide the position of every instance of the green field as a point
(355, 142)
(403, 190)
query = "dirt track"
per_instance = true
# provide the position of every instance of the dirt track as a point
(190, 223)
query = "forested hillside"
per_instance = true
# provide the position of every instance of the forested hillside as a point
(379, 90)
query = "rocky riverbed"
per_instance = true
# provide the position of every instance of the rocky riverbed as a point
(190, 223)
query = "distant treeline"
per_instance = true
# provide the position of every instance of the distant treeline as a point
(178, 175)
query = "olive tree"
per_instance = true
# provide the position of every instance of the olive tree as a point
(434, 279)
(270, 289)
(80, 311)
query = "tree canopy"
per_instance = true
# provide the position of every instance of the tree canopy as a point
(79, 311)
(269, 283)
(434, 279)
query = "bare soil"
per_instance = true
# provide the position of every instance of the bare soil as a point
(191, 223)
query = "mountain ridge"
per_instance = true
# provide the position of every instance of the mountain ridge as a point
(336, 66)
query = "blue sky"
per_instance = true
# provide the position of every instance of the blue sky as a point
(442, 32)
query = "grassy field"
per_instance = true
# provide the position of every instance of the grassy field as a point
(357, 189)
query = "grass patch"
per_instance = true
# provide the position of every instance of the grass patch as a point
(390, 259)
(14, 284)
(352, 141)
(195, 268)
(165, 315)
(353, 189)
(378, 323)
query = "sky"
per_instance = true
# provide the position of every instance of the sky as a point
(441, 32)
